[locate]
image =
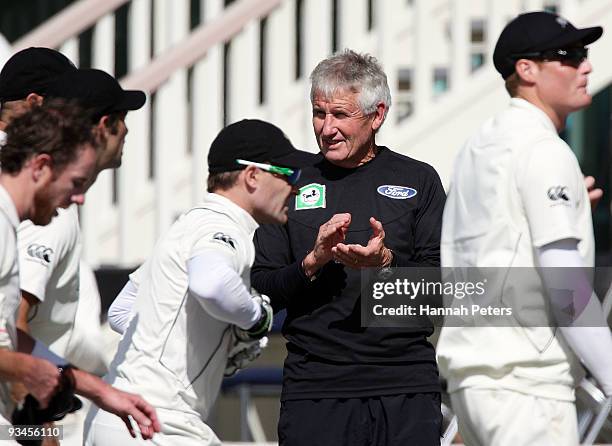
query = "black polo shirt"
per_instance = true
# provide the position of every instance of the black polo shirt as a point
(329, 353)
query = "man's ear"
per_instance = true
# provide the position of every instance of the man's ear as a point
(42, 168)
(526, 70)
(251, 177)
(379, 116)
(103, 124)
(100, 130)
(34, 100)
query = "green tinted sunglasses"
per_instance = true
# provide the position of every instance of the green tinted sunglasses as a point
(292, 175)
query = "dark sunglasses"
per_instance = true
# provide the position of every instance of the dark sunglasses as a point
(573, 56)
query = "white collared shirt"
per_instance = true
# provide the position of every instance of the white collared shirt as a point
(516, 186)
(173, 352)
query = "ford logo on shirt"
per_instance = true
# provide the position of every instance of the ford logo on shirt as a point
(396, 192)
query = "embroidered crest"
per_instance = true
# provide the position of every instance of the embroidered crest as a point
(311, 196)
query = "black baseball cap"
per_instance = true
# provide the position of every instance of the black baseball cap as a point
(254, 140)
(535, 32)
(97, 91)
(31, 71)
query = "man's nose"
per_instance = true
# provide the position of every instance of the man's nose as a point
(586, 66)
(329, 125)
(78, 199)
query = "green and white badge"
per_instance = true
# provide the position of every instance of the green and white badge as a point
(311, 196)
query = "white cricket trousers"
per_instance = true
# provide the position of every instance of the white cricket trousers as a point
(507, 418)
(73, 424)
(178, 428)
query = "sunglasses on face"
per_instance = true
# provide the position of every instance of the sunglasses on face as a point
(290, 175)
(572, 56)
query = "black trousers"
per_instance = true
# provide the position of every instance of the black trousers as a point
(406, 419)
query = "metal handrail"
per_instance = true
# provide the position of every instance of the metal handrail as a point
(81, 15)
(194, 47)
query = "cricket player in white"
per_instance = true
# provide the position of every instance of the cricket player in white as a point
(23, 79)
(518, 199)
(192, 295)
(9, 291)
(50, 255)
(47, 162)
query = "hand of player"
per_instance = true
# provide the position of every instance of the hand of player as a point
(41, 379)
(330, 234)
(18, 392)
(242, 353)
(126, 405)
(595, 193)
(50, 441)
(375, 254)
(263, 325)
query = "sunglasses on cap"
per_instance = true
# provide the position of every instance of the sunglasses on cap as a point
(573, 56)
(291, 175)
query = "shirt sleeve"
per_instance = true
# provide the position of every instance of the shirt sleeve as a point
(120, 312)
(40, 251)
(591, 341)
(136, 276)
(428, 226)
(220, 290)
(551, 192)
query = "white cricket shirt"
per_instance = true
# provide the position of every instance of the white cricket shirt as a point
(173, 352)
(49, 259)
(516, 186)
(10, 295)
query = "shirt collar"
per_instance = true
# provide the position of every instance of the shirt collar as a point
(223, 204)
(8, 207)
(538, 114)
(2, 138)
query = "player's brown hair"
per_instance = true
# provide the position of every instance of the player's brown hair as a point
(222, 181)
(58, 128)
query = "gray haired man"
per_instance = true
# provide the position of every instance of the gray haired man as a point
(366, 385)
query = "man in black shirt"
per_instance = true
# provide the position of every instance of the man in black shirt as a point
(360, 205)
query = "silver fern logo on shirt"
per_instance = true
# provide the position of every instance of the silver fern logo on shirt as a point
(396, 192)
